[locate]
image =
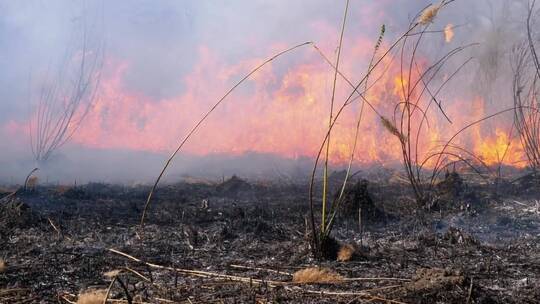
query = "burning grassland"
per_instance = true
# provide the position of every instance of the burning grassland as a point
(282, 108)
(456, 223)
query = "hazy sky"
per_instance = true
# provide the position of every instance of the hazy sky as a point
(160, 39)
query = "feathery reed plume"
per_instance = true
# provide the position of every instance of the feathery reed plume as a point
(345, 253)
(388, 125)
(316, 275)
(429, 14)
(3, 266)
(92, 296)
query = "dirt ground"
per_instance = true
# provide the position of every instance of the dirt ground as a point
(240, 242)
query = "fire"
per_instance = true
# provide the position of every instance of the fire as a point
(494, 148)
(286, 115)
(449, 33)
(283, 110)
(399, 84)
(500, 149)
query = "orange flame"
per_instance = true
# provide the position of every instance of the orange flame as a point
(500, 149)
(281, 110)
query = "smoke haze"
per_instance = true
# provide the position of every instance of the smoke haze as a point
(167, 62)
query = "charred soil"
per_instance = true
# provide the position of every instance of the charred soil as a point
(240, 242)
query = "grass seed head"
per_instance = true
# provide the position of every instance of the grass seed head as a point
(92, 296)
(388, 125)
(316, 275)
(429, 14)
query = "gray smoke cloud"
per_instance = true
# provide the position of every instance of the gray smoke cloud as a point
(160, 40)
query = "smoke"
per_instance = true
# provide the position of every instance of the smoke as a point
(168, 61)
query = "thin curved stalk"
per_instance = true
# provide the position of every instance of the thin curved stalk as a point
(334, 84)
(205, 116)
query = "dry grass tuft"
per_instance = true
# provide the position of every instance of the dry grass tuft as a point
(92, 296)
(429, 14)
(112, 274)
(3, 266)
(345, 253)
(316, 275)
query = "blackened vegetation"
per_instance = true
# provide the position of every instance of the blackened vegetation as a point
(451, 186)
(233, 186)
(359, 206)
(15, 214)
(450, 189)
(246, 239)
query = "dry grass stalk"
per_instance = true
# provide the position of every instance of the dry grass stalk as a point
(261, 269)
(317, 275)
(330, 124)
(205, 116)
(92, 296)
(203, 274)
(3, 266)
(345, 253)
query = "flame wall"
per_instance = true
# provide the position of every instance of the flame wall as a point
(283, 113)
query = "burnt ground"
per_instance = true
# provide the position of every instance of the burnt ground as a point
(242, 242)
